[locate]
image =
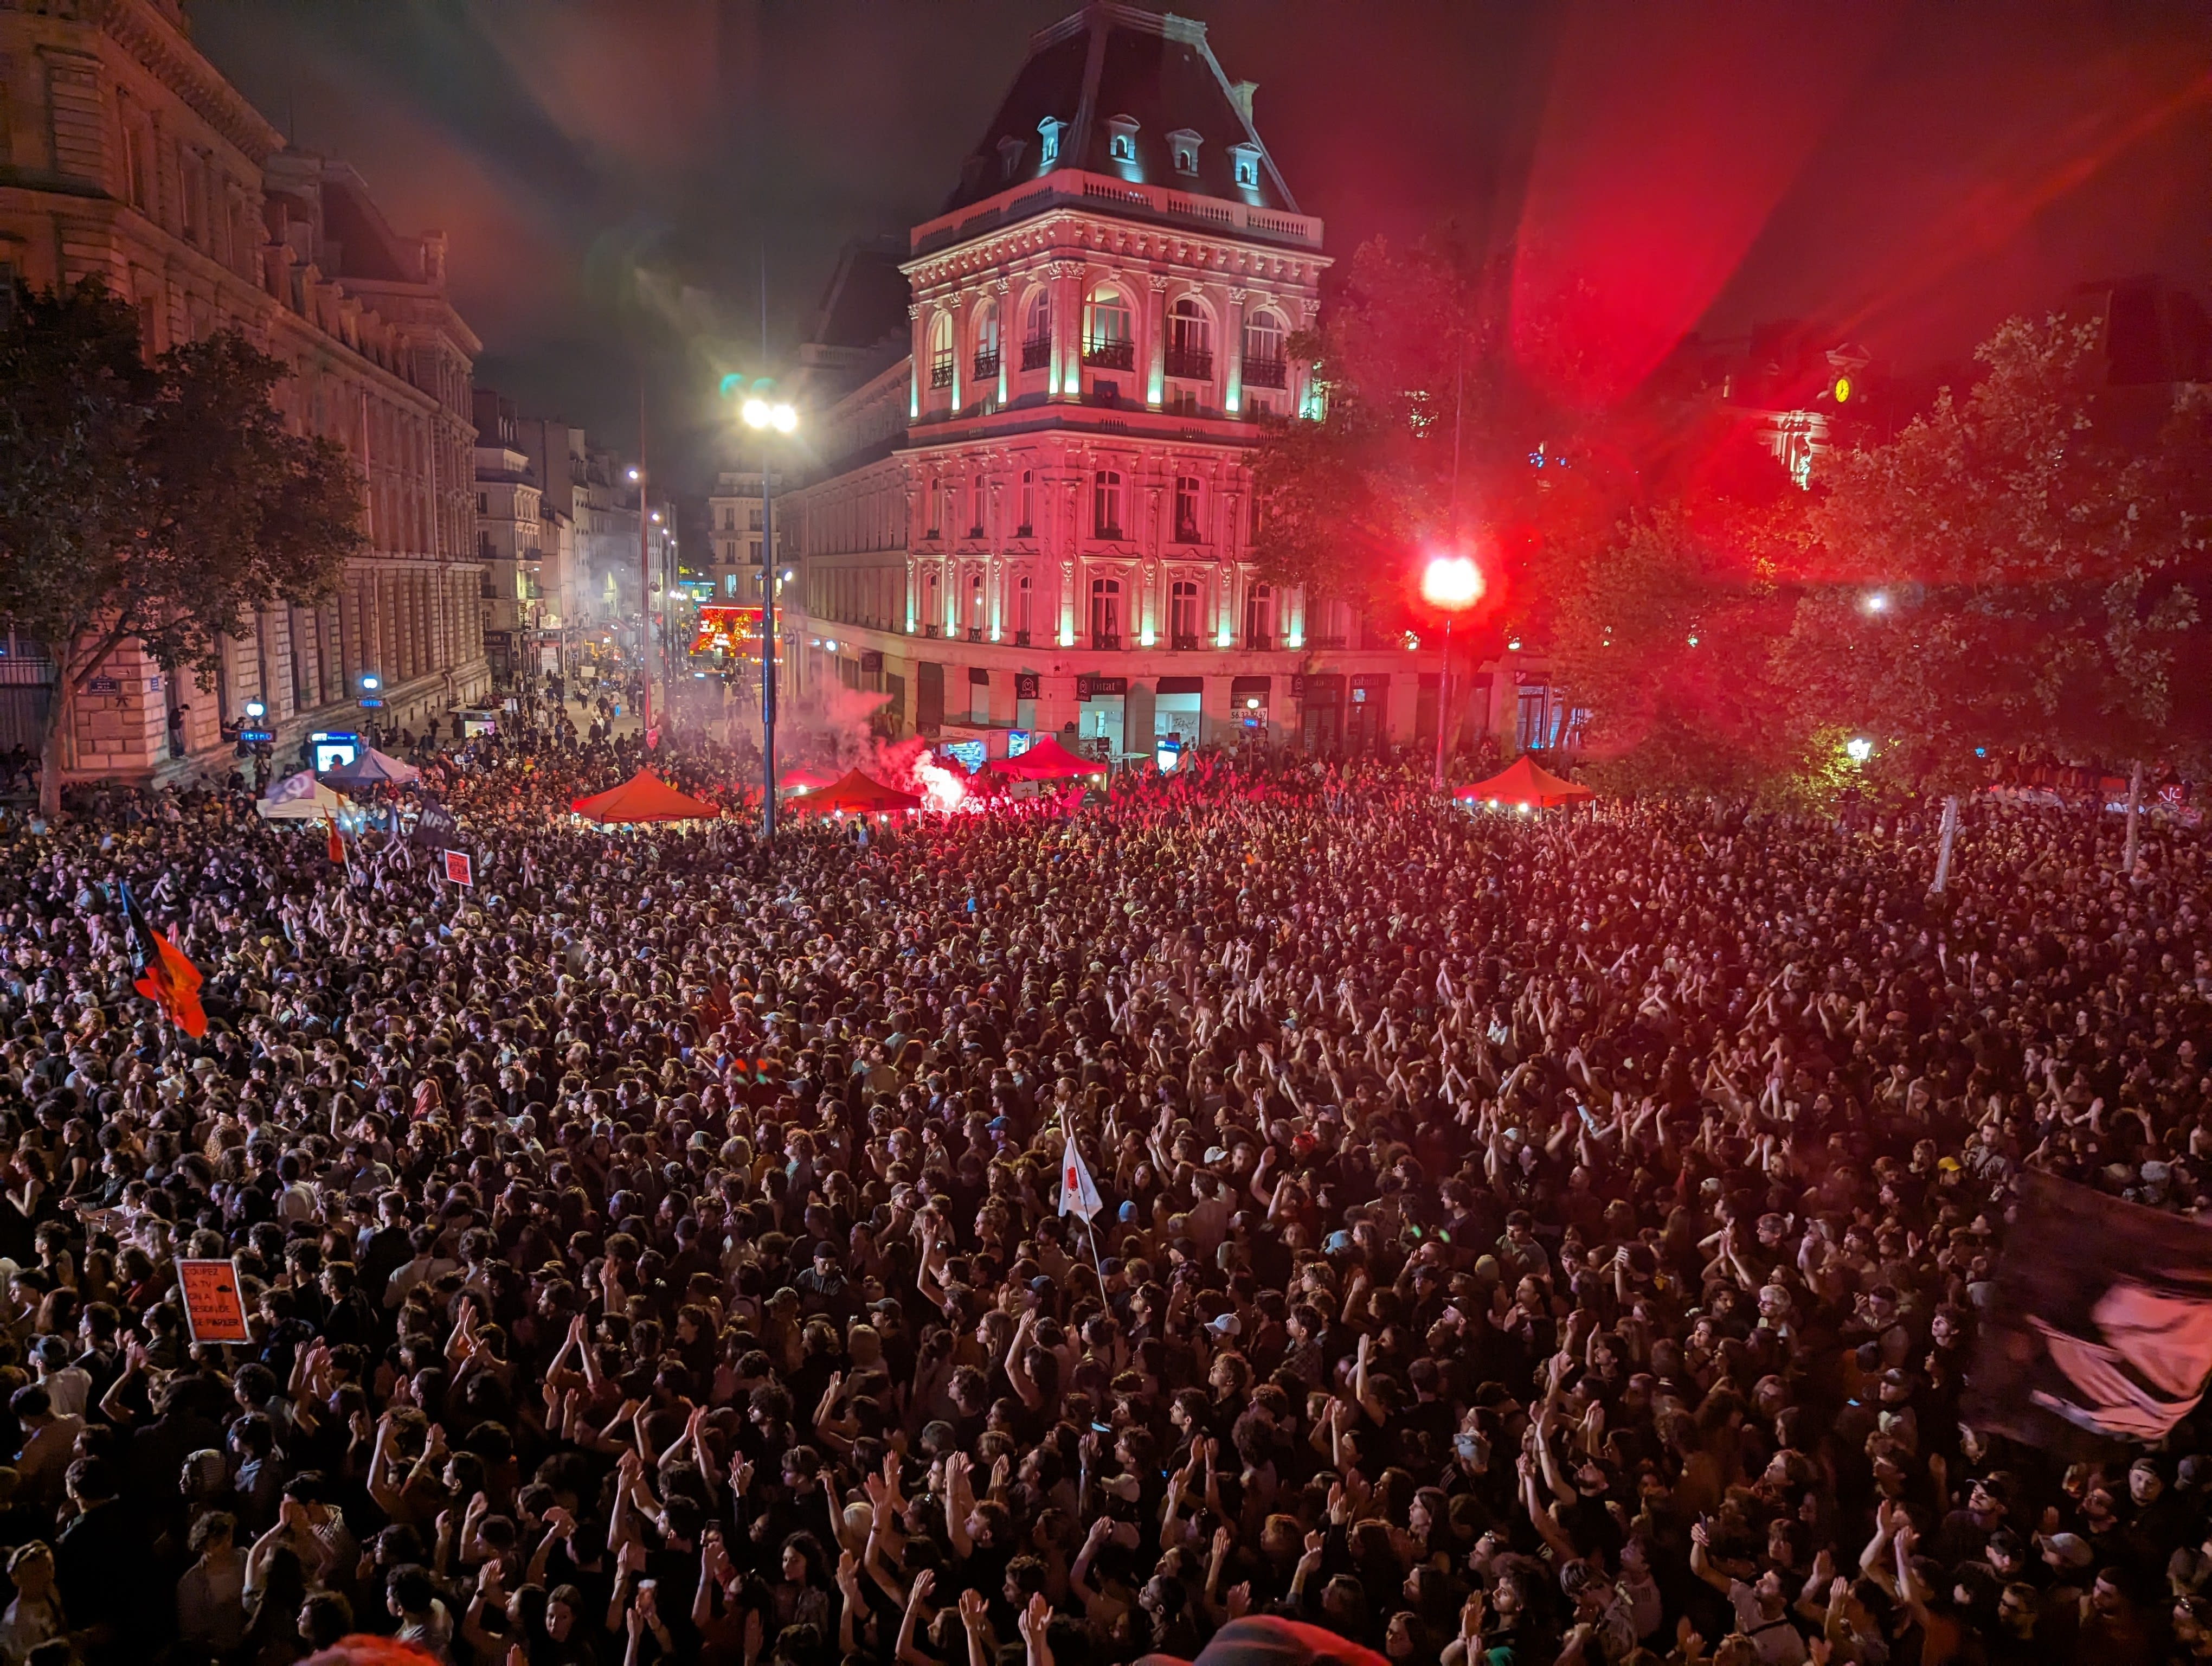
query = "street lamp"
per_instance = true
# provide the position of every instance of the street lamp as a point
(766, 418)
(1452, 584)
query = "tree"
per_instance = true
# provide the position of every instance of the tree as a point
(164, 501)
(2016, 570)
(1429, 437)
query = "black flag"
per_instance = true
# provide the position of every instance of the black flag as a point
(2102, 1327)
(436, 826)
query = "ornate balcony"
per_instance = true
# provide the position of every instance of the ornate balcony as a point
(1190, 364)
(1038, 354)
(1266, 373)
(1110, 354)
(986, 365)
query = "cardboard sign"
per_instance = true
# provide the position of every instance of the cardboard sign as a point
(458, 869)
(215, 1312)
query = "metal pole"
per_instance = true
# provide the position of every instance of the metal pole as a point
(1443, 702)
(644, 577)
(767, 639)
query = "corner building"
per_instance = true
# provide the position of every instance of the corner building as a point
(1040, 517)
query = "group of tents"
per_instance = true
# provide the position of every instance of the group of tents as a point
(1522, 784)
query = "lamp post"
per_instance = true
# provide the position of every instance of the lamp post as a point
(1452, 584)
(768, 419)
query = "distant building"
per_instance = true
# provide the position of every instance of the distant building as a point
(734, 516)
(1034, 503)
(124, 154)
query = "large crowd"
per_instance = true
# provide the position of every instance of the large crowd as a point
(1524, 1237)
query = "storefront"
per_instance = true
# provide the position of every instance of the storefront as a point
(1099, 724)
(1321, 710)
(1248, 705)
(1367, 719)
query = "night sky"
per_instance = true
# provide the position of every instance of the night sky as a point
(609, 170)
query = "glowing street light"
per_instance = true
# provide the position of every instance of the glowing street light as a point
(1878, 602)
(1452, 584)
(766, 417)
(1858, 749)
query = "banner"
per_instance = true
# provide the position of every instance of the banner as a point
(215, 1311)
(459, 869)
(437, 826)
(2102, 1327)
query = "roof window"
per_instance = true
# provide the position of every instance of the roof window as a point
(1122, 140)
(1182, 145)
(1048, 132)
(1244, 161)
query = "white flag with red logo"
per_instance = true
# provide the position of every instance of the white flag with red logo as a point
(1078, 1194)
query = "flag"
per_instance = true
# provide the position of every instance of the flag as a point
(165, 977)
(302, 786)
(1078, 1195)
(2111, 1340)
(337, 842)
(436, 826)
(459, 868)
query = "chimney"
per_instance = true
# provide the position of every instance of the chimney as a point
(1240, 94)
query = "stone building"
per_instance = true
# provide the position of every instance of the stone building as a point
(124, 154)
(1034, 511)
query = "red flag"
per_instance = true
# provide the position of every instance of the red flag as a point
(166, 977)
(337, 842)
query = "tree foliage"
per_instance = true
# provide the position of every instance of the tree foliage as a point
(1430, 437)
(2020, 567)
(162, 500)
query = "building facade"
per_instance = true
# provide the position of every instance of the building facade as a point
(1039, 517)
(124, 154)
(735, 517)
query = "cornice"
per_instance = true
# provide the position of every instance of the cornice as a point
(1068, 234)
(166, 55)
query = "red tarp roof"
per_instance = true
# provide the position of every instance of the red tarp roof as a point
(858, 794)
(806, 777)
(643, 798)
(1048, 761)
(1526, 781)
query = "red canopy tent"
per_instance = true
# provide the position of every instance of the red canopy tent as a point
(858, 794)
(1526, 781)
(643, 798)
(807, 778)
(1048, 761)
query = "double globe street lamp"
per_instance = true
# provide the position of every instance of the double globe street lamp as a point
(1452, 584)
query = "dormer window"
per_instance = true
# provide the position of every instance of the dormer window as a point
(1121, 139)
(1048, 132)
(1244, 164)
(1009, 156)
(1182, 145)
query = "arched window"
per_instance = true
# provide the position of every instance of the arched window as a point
(1190, 340)
(941, 351)
(938, 489)
(929, 614)
(1259, 616)
(1186, 509)
(1037, 332)
(1021, 613)
(1263, 350)
(1106, 505)
(1106, 613)
(1027, 527)
(1107, 341)
(1182, 614)
(976, 603)
(987, 341)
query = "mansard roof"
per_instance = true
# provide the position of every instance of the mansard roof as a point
(1112, 68)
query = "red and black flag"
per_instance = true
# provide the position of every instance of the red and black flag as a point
(337, 842)
(164, 977)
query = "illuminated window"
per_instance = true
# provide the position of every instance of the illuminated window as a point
(1029, 504)
(941, 351)
(1121, 139)
(1263, 350)
(1259, 616)
(1186, 508)
(987, 341)
(1106, 613)
(1022, 603)
(1190, 341)
(1182, 146)
(1182, 614)
(1107, 339)
(1244, 165)
(1106, 505)
(1037, 332)
(1048, 132)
